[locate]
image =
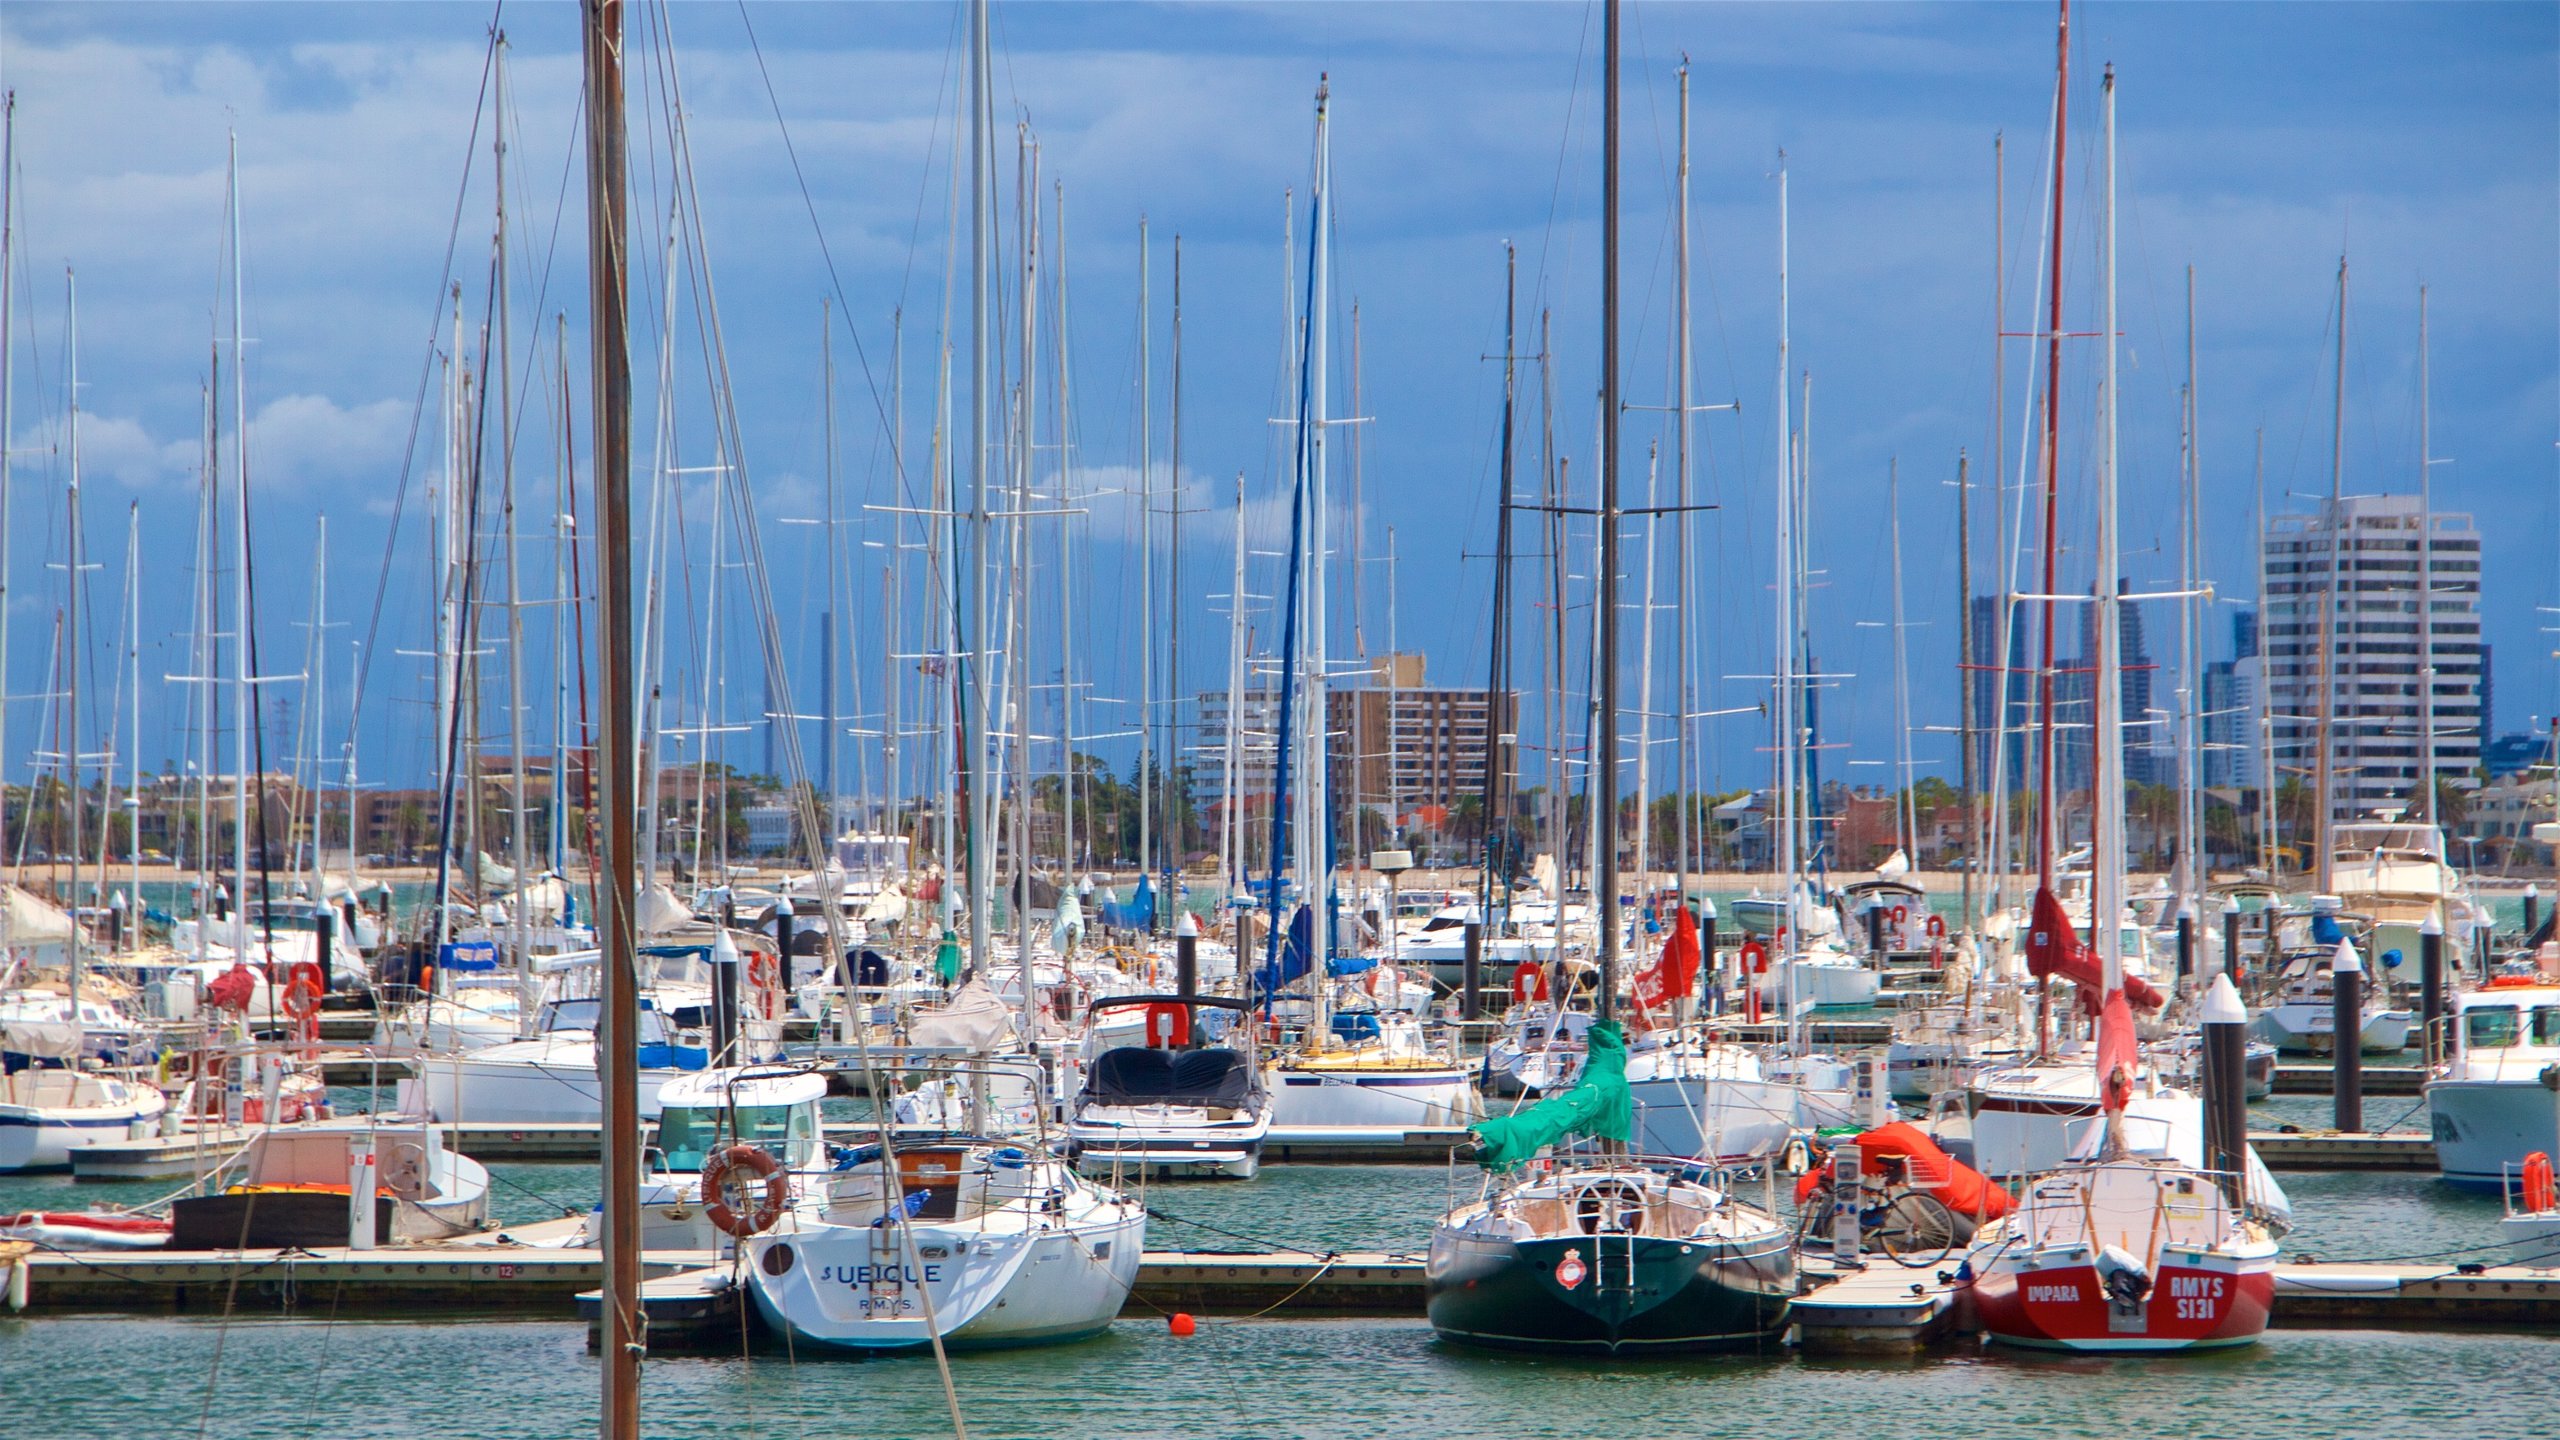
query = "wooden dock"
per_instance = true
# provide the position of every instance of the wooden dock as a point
(1881, 1308)
(178, 1157)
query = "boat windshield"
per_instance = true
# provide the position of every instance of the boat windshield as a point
(687, 1133)
(2489, 1027)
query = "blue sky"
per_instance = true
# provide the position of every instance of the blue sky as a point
(2257, 143)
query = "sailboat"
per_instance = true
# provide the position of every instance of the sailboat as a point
(967, 1239)
(1597, 1251)
(2131, 1245)
(45, 1109)
(1357, 1074)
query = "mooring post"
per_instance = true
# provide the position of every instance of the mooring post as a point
(2346, 1036)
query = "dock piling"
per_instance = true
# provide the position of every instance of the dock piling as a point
(2346, 1039)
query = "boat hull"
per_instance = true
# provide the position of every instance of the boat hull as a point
(2211, 1303)
(2485, 1128)
(41, 1137)
(1610, 1294)
(858, 1291)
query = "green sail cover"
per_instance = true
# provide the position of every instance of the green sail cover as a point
(1599, 1105)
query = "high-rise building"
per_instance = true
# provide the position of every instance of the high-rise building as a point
(1255, 714)
(2228, 727)
(2378, 648)
(2074, 714)
(1990, 683)
(1400, 743)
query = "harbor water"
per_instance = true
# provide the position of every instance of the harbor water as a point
(1323, 1380)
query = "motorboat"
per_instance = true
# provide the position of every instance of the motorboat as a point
(45, 1110)
(774, 1108)
(1182, 1103)
(2305, 1019)
(550, 1077)
(2492, 1101)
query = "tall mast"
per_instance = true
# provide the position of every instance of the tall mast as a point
(1497, 678)
(71, 657)
(1783, 731)
(8, 396)
(1604, 768)
(2190, 876)
(1317, 802)
(1359, 629)
(837, 635)
(1553, 481)
(1146, 573)
(1644, 674)
(1026, 217)
(2048, 802)
(974, 755)
(1968, 765)
(1231, 860)
(1176, 814)
(133, 720)
(2107, 837)
(625, 1330)
(1067, 777)
(1906, 811)
(519, 839)
(243, 713)
(2266, 709)
(2325, 763)
(2426, 584)
(1685, 701)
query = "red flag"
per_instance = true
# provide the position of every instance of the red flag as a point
(1675, 973)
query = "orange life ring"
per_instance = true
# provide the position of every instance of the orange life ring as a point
(1755, 957)
(1528, 983)
(302, 998)
(716, 1172)
(1168, 1024)
(2539, 1191)
(1937, 927)
(764, 978)
(1901, 916)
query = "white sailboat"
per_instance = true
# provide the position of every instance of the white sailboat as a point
(46, 1108)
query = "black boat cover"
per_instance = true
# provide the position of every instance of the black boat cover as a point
(1136, 1075)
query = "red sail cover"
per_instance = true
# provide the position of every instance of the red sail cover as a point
(2054, 948)
(1958, 1186)
(1675, 973)
(2117, 1055)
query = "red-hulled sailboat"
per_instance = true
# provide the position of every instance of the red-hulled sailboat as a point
(2131, 1245)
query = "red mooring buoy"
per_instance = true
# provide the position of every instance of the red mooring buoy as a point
(1180, 1323)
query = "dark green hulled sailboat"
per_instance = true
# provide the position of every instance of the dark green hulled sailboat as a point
(1607, 1254)
(1600, 1252)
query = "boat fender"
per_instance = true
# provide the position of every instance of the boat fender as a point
(2538, 1187)
(716, 1175)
